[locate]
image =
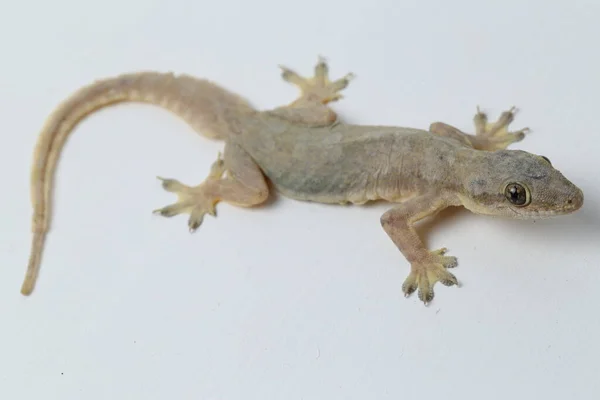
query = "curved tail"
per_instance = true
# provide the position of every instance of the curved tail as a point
(208, 108)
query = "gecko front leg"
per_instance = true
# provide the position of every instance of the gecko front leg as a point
(427, 267)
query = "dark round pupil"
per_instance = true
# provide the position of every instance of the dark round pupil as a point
(516, 194)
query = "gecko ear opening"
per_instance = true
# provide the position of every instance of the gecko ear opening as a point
(517, 194)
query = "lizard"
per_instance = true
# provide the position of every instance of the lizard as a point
(305, 151)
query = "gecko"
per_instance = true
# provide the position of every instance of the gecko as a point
(305, 151)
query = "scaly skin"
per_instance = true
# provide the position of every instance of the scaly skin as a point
(309, 154)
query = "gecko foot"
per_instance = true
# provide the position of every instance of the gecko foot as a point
(496, 136)
(425, 274)
(197, 201)
(318, 88)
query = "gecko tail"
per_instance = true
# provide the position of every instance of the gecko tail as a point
(210, 109)
(33, 267)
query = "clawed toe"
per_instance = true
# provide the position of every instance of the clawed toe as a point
(171, 210)
(171, 185)
(197, 217)
(292, 77)
(321, 72)
(446, 261)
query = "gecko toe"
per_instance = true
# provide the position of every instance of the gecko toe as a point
(292, 77)
(410, 284)
(448, 279)
(426, 295)
(449, 262)
(170, 210)
(197, 215)
(194, 222)
(171, 185)
(321, 71)
(446, 261)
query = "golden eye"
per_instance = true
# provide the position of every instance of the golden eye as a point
(547, 159)
(517, 194)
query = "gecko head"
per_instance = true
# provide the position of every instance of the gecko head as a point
(518, 184)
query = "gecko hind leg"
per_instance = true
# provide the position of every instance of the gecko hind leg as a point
(319, 88)
(244, 186)
(489, 136)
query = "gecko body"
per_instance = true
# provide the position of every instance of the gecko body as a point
(309, 154)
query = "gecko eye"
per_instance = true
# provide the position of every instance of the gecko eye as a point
(547, 159)
(517, 194)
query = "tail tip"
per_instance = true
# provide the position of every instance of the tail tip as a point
(27, 288)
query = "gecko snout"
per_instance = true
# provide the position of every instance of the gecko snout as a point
(575, 201)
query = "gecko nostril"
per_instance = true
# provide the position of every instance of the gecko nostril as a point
(570, 201)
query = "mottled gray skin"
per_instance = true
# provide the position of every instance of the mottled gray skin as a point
(309, 154)
(348, 163)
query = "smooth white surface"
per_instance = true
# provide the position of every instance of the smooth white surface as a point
(294, 300)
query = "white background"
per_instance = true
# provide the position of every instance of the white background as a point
(294, 300)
